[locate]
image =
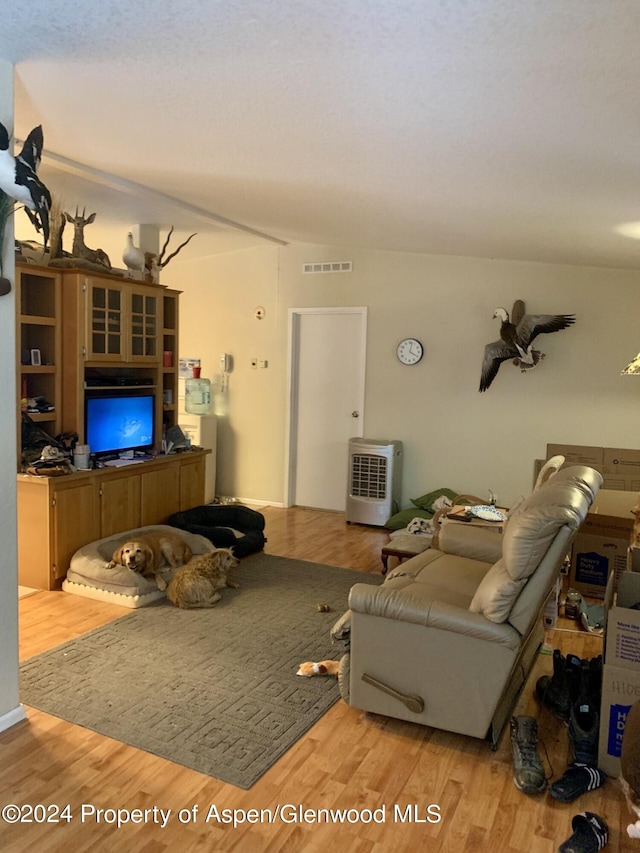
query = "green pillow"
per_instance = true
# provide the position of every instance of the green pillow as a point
(402, 518)
(426, 501)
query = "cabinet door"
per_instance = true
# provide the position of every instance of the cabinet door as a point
(160, 495)
(106, 321)
(192, 482)
(145, 313)
(75, 521)
(119, 504)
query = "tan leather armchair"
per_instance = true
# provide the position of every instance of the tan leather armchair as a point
(449, 638)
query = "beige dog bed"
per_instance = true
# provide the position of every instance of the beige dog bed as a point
(89, 576)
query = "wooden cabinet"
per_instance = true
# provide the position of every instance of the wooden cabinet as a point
(75, 329)
(119, 329)
(122, 320)
(161, 493)
(38, 346)
(170, 357)
(58, 515)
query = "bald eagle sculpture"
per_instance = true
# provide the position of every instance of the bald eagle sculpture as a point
(516, 340)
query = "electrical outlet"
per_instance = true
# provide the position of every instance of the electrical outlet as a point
(254, 362)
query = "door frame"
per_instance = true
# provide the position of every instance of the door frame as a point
(291, 423)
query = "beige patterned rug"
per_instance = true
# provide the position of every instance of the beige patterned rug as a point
(215, 690)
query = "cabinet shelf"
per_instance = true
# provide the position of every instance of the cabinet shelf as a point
(99, 388)
(36, 320)
(32, 368)
(41, 417)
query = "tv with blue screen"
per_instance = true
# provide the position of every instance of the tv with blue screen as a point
(115, 423)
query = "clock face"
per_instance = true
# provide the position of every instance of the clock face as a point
(410, 351)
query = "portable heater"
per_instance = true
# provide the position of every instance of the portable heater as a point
(374, 480)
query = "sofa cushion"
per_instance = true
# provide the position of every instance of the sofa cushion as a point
(526, 539)
(496, 593)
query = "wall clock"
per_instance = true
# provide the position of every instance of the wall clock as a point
(410, 351)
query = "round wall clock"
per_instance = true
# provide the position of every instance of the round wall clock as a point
(410, 351)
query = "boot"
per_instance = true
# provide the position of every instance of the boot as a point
(559, 691)
(584, 725)
(528, 772)
(584, 717)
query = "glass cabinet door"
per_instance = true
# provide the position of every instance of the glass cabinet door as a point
(144, 325)
(106, 323)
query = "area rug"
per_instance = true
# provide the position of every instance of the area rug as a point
(215, 690)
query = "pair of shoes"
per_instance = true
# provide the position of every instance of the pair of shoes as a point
(528, 772)
(590, 834)
(577, 779)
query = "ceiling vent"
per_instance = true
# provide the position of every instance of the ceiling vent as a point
(327, 266)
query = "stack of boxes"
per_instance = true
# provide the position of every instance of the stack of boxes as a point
(602, 543)
(621, 671)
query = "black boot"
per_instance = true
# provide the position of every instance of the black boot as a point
(584, 717)
(559, 691)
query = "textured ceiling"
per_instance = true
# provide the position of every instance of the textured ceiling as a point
(476, 127)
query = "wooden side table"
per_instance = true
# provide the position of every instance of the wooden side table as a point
(403, 547)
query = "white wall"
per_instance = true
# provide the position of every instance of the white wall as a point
(10, 710)
(453, 435)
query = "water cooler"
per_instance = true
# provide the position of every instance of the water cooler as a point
(202, 430)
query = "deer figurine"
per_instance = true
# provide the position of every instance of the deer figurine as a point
(80, 249)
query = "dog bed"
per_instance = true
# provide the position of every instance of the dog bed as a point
(236, 527)
(89, 576)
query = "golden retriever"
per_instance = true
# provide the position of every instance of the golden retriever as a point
(197, 583)
(148, 552)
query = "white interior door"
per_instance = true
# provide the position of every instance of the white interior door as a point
(327, 376)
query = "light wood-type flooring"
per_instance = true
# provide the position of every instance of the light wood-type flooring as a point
(348, 760)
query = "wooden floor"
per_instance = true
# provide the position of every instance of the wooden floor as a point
(348, 760)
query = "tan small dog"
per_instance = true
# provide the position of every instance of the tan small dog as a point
(150, 551)
(197, 584)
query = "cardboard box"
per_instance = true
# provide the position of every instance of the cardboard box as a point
(620, 689)
(619, 467)
(578, 454)
(628, 483)
(621, 671)
(622, 637)
(602, 544)
(620, 461)
(593, 560)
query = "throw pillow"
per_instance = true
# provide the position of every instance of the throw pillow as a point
(496, 593)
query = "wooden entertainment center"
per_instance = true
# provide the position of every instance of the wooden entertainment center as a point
(76, 329)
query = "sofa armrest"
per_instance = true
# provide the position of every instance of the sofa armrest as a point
(413, 604)
(341, 630)
(468, 540)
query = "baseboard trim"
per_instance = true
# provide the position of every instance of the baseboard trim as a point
(253, 502)
(11, 718)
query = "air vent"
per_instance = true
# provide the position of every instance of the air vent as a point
(327, 266)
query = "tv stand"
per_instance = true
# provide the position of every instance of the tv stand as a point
(58, 515)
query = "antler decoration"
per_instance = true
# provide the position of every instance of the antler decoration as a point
(163, 263)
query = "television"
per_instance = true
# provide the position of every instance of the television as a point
(119, 421)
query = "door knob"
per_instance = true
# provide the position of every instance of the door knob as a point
(355, 414)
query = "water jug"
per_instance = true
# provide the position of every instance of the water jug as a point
(197, 394)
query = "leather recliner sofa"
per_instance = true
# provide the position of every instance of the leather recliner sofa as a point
(449, 638)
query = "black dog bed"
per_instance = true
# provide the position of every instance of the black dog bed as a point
(222, 524)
